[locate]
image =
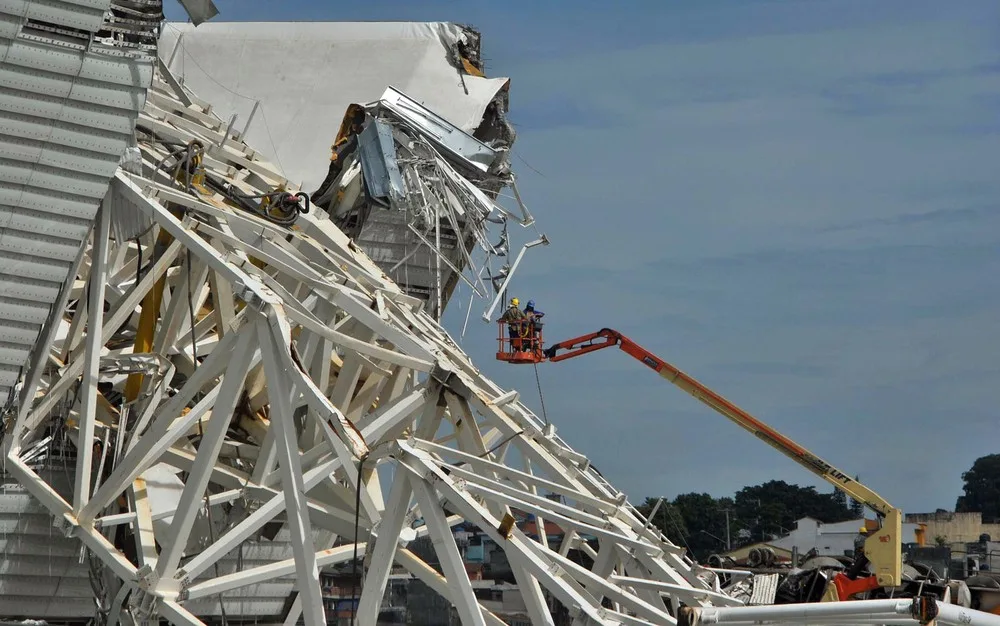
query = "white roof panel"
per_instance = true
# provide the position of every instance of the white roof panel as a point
(45, 201)
(41, 165)
(28, 311)
(22, 288)
(336, 64)
(87, 66)
(59, 85)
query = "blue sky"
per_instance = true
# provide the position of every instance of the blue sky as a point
(794, 201)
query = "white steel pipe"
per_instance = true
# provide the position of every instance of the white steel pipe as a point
(961, 616)
(798, 613)
(510, 274)
(732, 572)
(859, 611)
(881, 620)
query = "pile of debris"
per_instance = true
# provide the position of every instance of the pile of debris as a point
(763, 577)
(416, 192)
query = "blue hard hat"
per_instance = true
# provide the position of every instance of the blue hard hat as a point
(531, 304)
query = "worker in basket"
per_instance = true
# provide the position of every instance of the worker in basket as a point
(516, 326)
(860, 558)
(534, 323)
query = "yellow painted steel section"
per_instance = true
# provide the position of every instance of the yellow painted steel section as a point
(472, 69)
(147, 322)
(885, 552)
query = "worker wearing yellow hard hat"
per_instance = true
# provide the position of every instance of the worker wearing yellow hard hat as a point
(859, 541)
(513, 316)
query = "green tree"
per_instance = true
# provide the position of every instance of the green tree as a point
(772, 508)
(705, 519)
(667, 520)
(840, 498)
(698, 520)
(695, 521)
(856, 507)
(982, 489)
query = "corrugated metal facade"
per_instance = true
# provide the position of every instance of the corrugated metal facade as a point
(67, 111)
(68, 106)
(41, 576)
(66, 116)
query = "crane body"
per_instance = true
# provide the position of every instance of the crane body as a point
(882, 549)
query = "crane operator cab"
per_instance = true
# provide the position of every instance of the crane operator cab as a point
(519, 334)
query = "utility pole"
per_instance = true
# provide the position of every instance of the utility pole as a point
(729, 544)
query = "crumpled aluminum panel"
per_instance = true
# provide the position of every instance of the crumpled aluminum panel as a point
(200, 10)
(66, 116)
(378, 162)
(439, 130)
(765, 589)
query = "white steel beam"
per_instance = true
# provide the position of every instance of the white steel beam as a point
(856, 612)
(161, 435)
(447, 552)
(44, 347)
(254, 522)
(429, 576)
(543, 569)
(386, 542)
(208, 450)
(270, 571)
(91, 359)
(537, 560)
(531, 592)
(117, 317)
(293, 318)
(307, 572)
(178, 615)
(145, 538)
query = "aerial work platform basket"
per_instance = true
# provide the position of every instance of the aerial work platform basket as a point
(525, 346)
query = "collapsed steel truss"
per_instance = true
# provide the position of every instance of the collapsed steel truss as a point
(279, 368)
(213, 373)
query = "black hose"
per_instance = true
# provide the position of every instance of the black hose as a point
(303, 196)
(289, 204)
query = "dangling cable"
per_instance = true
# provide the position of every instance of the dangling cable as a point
(541, 398)
(194, 335)
(499, 445)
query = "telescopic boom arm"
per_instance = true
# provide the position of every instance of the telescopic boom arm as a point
(883, 549)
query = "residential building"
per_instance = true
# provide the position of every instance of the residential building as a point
(947, 527)
(836, 539)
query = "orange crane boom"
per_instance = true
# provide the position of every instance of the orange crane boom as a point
(883, 549)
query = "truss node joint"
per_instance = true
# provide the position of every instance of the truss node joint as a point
(144, 605)
(65, 524)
